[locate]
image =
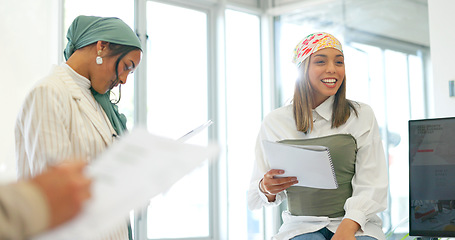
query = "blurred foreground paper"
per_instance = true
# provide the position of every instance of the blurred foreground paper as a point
(134, 169)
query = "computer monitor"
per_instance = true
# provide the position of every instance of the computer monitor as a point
(432, 177)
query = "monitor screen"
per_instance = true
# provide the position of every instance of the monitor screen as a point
(432, 177)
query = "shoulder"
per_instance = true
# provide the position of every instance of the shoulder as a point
(364, 127)
(279, 124)
(52, 85)
(363, 110)
(54, 79)
(364, 121)
(281, 114)
(51, 90)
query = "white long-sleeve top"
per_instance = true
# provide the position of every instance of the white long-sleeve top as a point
(60, 119)
(369, 183)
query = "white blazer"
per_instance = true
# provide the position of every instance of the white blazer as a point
(60, 119)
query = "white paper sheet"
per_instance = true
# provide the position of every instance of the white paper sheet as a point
(133, 170)
(312, 165)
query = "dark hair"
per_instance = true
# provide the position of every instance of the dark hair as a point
(120, 51)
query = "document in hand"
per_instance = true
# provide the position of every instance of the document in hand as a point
(195, 131)
(126, 176)
(312, 165)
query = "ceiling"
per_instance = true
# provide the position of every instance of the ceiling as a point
(404, 20)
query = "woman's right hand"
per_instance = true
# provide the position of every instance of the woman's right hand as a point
(271, 186)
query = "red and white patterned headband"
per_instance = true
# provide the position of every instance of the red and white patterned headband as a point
(313, 43)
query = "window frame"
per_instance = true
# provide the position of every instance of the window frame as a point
(140, 220)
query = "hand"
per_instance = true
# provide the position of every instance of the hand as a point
(272, 186)
(346, 230)
(66, 189)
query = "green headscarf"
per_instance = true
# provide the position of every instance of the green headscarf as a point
(86, 30)
(118, 120)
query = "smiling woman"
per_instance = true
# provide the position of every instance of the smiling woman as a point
(321, 115)
(326, 74)
(68, 114)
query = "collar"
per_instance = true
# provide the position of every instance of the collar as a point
(80, 80)
(325, 108)
(80, 92)
(84, 84)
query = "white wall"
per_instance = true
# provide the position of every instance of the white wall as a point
(442, 43)
(28, 45)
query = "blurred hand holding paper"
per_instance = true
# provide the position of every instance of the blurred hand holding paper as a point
(312, 165)
(134, 169)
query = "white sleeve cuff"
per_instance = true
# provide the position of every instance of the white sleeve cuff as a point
(278, 197)
(357, 216)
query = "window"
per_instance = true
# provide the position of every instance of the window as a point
(177, 101)
(243, 111)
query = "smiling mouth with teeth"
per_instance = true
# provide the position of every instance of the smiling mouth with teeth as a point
(329, 81)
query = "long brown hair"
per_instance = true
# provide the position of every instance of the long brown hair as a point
(303, 102)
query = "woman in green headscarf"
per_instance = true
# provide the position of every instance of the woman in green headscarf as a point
(68, 114)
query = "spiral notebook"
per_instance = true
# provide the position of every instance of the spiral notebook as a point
(312, 165)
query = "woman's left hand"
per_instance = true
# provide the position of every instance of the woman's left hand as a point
(346, 230)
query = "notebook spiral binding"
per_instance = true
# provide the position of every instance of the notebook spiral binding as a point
(332, 167)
